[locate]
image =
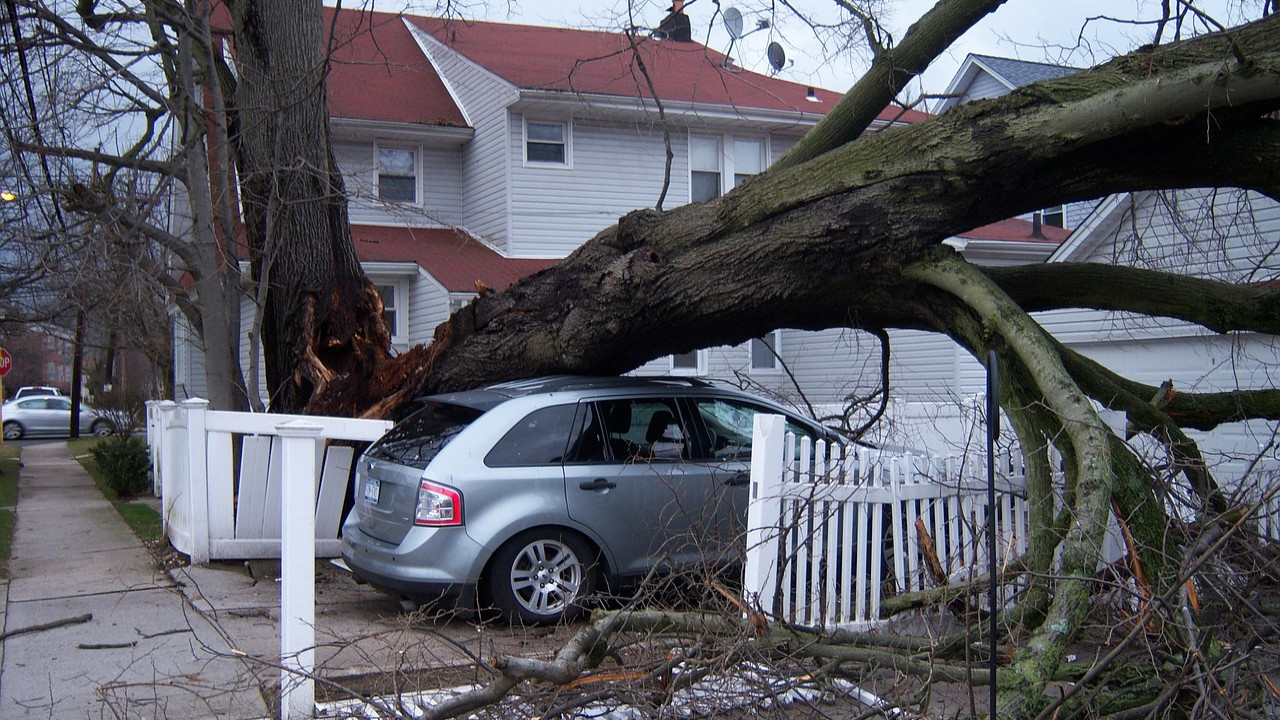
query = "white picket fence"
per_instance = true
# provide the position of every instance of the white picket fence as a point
(832, 532)
(217, 508)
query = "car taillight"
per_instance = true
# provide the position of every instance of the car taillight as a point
(438, 505)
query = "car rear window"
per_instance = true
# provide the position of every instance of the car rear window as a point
(538, 439)
(418, 438)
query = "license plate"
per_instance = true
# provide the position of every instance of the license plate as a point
(372, 487)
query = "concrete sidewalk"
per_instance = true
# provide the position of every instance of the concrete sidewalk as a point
(143, 654)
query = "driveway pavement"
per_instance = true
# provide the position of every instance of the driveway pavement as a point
(92, 629)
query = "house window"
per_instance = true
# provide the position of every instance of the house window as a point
(391, 313)
(748, 159)
(718, 164)
(546, 142)
(693, 362)
(1055, 216)
(764, 352)
(704, 168)
(397, 175)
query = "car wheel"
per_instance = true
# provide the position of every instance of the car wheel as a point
(541, 577)
(13, 430)
(102, 428)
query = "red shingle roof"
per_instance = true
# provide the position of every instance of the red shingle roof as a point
(379, 73)
(455, 259)
(1016, 229)
(594, 62)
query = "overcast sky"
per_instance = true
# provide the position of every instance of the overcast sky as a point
(1057, 31)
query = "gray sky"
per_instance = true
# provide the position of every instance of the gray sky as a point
(1058, 31)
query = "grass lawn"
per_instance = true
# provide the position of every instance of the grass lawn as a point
(9, 455)
(143, 519)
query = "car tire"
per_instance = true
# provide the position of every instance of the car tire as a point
(541, 577)
(13, 430)
(102, 428)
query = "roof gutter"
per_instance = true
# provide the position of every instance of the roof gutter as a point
(588, 105)
(364, 129)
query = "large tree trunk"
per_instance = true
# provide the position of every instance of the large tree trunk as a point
(322, 317)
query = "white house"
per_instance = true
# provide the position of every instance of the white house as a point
(477, 153)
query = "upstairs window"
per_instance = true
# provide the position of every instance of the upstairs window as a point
(1055, 216)
(704, 168)
(546, 142)
(397, 175)
(717, 163)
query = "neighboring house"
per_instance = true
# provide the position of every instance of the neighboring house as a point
(1225, 234)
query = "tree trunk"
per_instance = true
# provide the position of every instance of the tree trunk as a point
(322, 316)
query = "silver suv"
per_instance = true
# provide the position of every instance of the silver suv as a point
(530, 496)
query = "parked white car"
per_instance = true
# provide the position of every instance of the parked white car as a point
(49, 416)
(35, 390)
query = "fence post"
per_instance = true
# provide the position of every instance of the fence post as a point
(197, 499)
(163, 454)
(297, 568)
(764, 511)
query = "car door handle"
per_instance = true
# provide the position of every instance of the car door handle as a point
(597, 484)
(739, 479)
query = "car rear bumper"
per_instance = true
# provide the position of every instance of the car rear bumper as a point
(430, 564)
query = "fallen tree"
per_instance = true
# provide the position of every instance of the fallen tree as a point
(849, 230)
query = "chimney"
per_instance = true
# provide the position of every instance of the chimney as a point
(675, 26)
(1037, 226)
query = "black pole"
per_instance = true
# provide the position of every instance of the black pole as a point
(993, 432)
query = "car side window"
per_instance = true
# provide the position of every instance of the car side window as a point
(632, 430)
(539, 438)
(731, 424)
(58, 404)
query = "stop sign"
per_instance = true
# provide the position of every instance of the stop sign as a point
(6, 362)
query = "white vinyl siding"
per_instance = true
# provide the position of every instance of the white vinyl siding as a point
(483, 98)
(439, 186)
(1226, 234)
(984, 86)
(428, 303)
(616, 169)
(188, 362)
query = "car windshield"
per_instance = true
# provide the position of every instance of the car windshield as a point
(418, 438)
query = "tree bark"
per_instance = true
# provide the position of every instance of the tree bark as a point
(322, 317)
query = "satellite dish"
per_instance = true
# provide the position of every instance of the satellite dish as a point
(777, 56)
(733, 22)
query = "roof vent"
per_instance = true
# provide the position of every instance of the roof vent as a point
(676, 25)
(811, 94)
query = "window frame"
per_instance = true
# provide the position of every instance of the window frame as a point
(566, 142)
(700, 357)
(399, 333)
(775, 358)
(416, 152)
(726, 152)
(1058, 210)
